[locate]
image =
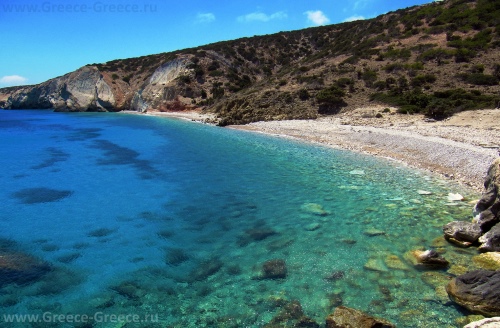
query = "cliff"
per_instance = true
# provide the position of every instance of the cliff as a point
(436, 59)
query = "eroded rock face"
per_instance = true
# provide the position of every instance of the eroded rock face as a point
(81, 90)
(487, 209)
(344, 317)
(462, 233)
(478, 291)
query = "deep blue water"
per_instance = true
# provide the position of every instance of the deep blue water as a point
(127, 214)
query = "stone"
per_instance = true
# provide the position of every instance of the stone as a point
(20, 268)
(424, 192)
(274, 269)
(478, 291)
(394, 262)
(312, 226)
(462, 321)
(357, 172)
(487, 209)
(488, 261)
(344, 317)
(428, 259)
(455, 197)
(485, 323)
(462, 233)
(314, 208)
(490, 241)
(435, 279)
(372, 232)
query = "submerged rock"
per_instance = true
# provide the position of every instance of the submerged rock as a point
(455, 197)
(462, 233)
(20, 268)
(488, 261)
(314, 208)
(372, 232)
(274, 269)
(428, 259)
(206, 269)
(344, 317)
(291, 315)
(490, 241)
(394, 262)
(478, 291)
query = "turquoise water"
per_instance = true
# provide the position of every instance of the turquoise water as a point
(172, 221)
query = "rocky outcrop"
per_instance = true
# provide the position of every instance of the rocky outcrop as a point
(344, 317)
(478, 291)
(428, 259)
(490, 241)
(81, 90)
(487, 210)
(156, 92)
(462, 233)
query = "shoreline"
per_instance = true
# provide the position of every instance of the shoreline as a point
(460, 148)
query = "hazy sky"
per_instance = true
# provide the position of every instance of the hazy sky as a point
(41, 39)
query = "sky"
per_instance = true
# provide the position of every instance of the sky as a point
(43, 39)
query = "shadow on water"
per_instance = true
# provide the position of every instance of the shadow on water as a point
(55, 156)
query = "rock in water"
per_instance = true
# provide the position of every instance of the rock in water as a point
(462, 233)
(488, 261)
(20, 268)
(314, 208)
(485, 323)
(455, 197)
(487, 209)
(490, 241)
(478, 291)
(344, 317)
(428, 259)
(274, 269)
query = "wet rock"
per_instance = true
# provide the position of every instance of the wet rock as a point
(455, 197)
(462, 233)
(313, 208)
(20, 268)
(490, 241)
(478, 291)
(462, 321)
(344, 317)
(487, 209)
(435, 279)
(429, 259)
(488, 261)
(274, 269)
(424, 192)
(485, 323)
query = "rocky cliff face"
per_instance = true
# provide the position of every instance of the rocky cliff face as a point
(82, 90)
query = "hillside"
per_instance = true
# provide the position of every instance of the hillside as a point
(435, 59)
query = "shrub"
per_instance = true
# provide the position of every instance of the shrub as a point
(479, 79)
(114, 76)
(304, 94)
(420, 80)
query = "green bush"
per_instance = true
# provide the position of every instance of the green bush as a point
(479, 79)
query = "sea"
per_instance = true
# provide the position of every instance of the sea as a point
(122, 220)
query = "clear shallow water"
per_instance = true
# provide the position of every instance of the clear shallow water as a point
(150, 216)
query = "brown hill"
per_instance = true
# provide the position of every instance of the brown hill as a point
(435, 59)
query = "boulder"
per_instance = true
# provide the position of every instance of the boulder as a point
(462, 233)
(344, 317)
(429, 259)
(487, 209)
(485, 323)
(478, 291)
(490, 241)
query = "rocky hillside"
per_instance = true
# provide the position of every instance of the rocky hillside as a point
(435, 59)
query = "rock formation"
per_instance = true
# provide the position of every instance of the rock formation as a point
(81, 90)
(487, 210)
(20, 268)
(478, 291)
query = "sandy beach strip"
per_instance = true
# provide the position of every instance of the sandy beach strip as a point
(461, 148)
